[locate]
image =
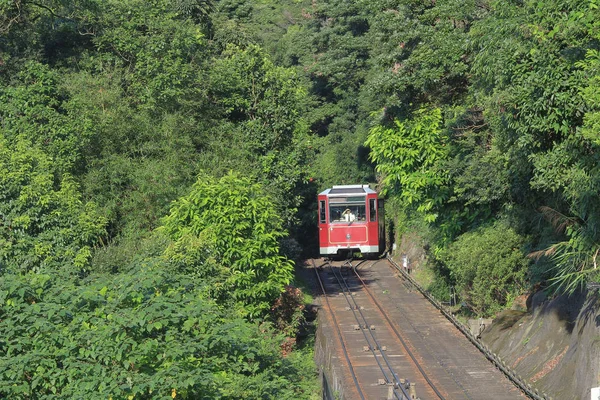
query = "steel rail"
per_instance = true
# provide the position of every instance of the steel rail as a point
(409, 286)
(404, 344)
(339, 333)
(525, 387)
(362, 324)
(356, 308)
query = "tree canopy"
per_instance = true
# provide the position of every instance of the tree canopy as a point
(159, 162)
(151, 167)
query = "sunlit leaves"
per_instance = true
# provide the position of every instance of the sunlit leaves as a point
(591, 95)
(419, 52)
(571, 168)
(488, 266)
(35, 108)
(409, 156)
(250, 88)
(233, 221)
(44, 221)
(160, 50)
(144, 335)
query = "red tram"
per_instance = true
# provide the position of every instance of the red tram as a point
(350, 220)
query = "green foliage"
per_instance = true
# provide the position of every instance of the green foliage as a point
(243, 22)
(198, 10)
(591, 126)
(574, 261)
(34, 108)
(487, 266)
(418, 52)
(159, 45)
(45, 223)
(409, 156)
(261, 107)
(571, 169)
(119, 104)
(330, 48)
(234, 222)
(250, 88)
(439, 288)
(484, 179)
(529, 80)
(146, 334)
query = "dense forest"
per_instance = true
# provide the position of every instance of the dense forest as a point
(159, 162)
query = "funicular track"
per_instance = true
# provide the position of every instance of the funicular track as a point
(394, 341)
(379, 337)
(517, 380)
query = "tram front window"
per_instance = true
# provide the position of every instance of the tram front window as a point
(347, 213)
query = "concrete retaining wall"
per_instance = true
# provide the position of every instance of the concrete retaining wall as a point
(329, 363)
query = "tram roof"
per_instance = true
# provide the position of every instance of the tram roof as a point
(347, 189)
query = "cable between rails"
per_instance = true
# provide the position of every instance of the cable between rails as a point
(404, 344)
(396, 380)
(409, 286)
(341, 339)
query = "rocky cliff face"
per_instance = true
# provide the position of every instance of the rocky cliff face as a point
(555, 344)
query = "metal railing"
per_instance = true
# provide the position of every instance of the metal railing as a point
(521, 383)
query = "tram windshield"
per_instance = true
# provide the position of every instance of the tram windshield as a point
(347, 209)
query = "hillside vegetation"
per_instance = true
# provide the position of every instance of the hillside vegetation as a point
(151, 164)
(479, 122)
(159, 162)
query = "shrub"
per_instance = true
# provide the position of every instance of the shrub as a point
(146, 334)
(233, 222)
(488, 267)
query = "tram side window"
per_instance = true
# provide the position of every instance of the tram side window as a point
(322, 218)
(372, 210)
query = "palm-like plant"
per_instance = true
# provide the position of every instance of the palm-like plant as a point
(575, 259)
(195, 9)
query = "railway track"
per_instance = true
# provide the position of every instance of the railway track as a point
(517, 380)
(395, 344)
(378, 333)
